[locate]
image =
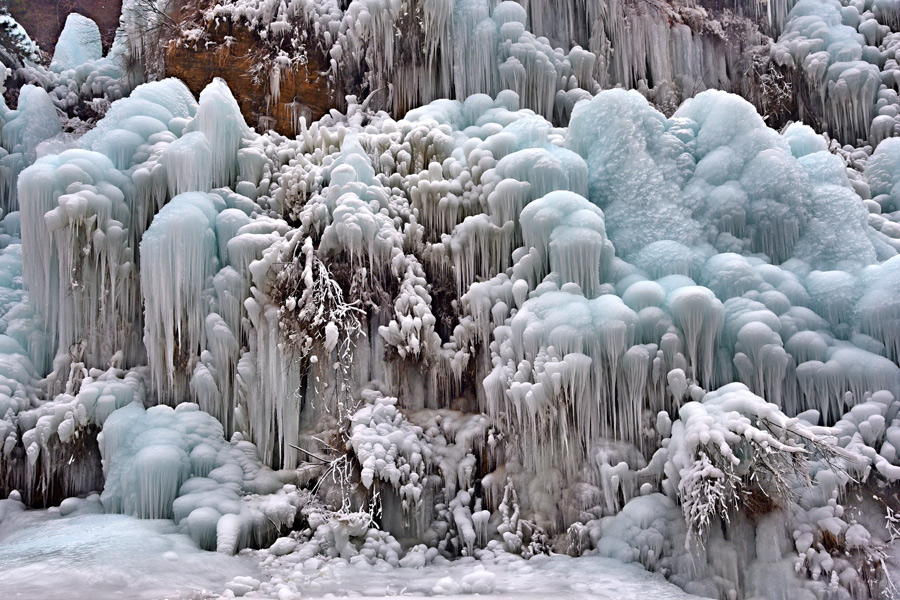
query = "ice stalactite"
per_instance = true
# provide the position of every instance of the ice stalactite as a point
(875, 312)
(569, 235)
(19, 378)
(314, 297)
(101, 199)
(180, 255)
(236, 373)
(844, 56)
(700, 316)
(661, 48)
(219, 119)
(550, 56)
(21, 130)
(74, 290)
(475, 68)
(140, 37)
(97, 286)
(468, 47)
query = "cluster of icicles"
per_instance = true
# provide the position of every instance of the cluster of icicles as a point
(579, 289)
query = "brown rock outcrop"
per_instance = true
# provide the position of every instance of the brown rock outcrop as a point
(234, 54)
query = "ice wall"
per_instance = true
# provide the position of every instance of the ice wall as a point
(549, 54)
(720, 276)
(643, 308)
(843, 54)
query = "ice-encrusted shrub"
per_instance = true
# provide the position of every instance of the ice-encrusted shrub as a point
(15, 44)
(771, 92)
(384, 474)
(390, 449)
(313, 311)
(520, 536)
(732, 450)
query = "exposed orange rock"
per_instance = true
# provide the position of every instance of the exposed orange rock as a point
(223, 51)
(232, 53)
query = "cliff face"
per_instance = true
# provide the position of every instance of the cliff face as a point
(722, 50)
(234, 54)
(198, 54)
(44, 19)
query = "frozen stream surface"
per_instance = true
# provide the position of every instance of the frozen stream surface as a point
(97, 556)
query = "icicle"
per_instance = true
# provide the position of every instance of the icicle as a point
(179, 249)
(219, 119)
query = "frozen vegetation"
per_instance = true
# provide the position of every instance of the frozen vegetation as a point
(534, 334)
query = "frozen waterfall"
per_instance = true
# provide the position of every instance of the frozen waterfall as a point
(520, 311)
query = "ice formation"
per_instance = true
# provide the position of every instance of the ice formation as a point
(845, 52)
(78, 44)
(539, 317)
(407, 55)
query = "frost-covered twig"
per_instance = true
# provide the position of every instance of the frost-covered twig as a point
(313, 310)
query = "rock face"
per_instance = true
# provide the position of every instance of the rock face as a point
(44, 19)
(232, 53)
(221, 50)
(724, 49)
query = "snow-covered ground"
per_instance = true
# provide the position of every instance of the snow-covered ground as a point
(91, 555)
(505, 576)
(94, 556)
